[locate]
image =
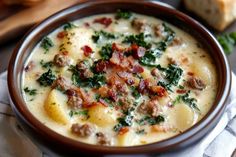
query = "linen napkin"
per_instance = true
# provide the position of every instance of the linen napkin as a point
(220, 142)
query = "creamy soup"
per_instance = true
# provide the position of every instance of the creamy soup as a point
(119, 79)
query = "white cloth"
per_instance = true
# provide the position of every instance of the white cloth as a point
(220, 142)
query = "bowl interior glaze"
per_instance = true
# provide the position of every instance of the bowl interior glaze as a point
(59, 143)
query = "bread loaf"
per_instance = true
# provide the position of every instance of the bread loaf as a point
(217, 13)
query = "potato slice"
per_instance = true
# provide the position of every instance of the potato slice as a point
(182, 117)
(102, 116)
(127, 139)
(76, 39)
(55, 106)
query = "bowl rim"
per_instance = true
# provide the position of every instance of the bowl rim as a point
(19, 106)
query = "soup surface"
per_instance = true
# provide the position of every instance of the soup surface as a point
(119, 79)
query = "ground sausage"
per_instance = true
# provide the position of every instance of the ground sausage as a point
(102, 139)
(61, 60)
(140, 24)
(150, 108)
(61, 83)
(74, 100)
(196, 83)
(84, 130)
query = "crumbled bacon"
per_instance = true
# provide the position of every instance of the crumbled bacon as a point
(143, 85)
(116, 58)
(181, 91)
(190, 73)
(137, 69)
(112, 94)
(103, 91)
(155, 72)
(104, 21)
(123, 130)
(158, 90)
(116, 48)
(87, 50)
(103, 102)
(137, 51)
(101, 66)
(90, 104)
(65, 53)
(61, 34)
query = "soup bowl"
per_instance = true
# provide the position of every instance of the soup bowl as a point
(54, 143)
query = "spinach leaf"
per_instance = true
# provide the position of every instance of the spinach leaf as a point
(106, 52)
(46, 44)
(150, 57)
(122, 14)
(135, 92)
(151, 120)
(137, 39)
(191, 102)
(46, 65)
(124, 121)
(102, 34)
(47, 78)
(30, 91)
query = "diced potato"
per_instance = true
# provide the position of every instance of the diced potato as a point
(127, 139)
(185, 117)
(55, 106)
(76, 39)
(102, 116)
(146, 74)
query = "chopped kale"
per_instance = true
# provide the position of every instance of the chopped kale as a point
(102, 34)
(46, 44)
(149, 58)
(47, 78)
(30, 91)
(46, 65)
(135, 92)
(151, 120)
(191, 102)
(124, 121)
(106, 52)
(96, 81)
(123, 14)
(68, 26)
(172, 74)
(177, 100)
(227, 41)
(137, 39)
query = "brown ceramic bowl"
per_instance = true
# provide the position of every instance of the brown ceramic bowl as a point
(51, 141)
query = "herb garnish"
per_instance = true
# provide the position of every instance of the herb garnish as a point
(140, 132)
(135, 92)
(191, 102)
(46, 65)
(122, 14)
(46, 44)
(106, 52)
(138, 39)
(102, 34)
(30, 91)
(151, 120)
(227, 41)
(68, 26)
(150, 57)
(47, 78)
(124, 121)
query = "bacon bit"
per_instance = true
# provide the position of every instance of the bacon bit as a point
(116, 58)
(103, 102)
(124, 74)
(190, 73)
(184, 60)
(104, 21)
(61, 35)
(87, 50)
(113, 80)
(123, 130)
(137, 69)
(65, 53)
(138, 51)
(129, 81)
(181, 91)
(112, 95)
(101, 66)
(90, 104)
(143, 85)
(116, 48)
(155, 72)
(103, 91)
(159, 90)
(86, 24)
(30, 66)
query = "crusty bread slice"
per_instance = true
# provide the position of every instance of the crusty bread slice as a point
(218, 13)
